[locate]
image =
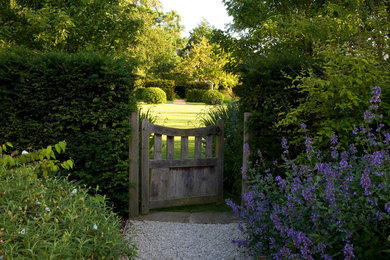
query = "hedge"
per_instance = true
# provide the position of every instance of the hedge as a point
(213, 97)
(84, 99)
(195, 95)
(153, 96)
(167, 85)
(196, 85)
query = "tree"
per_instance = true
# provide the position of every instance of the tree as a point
(157, 41)
(99, 25)
(206, 62)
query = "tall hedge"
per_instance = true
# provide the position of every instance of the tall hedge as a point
(167, 85)
(196, 85)
(84, 99)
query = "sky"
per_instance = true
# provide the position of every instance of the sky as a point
(192, 12)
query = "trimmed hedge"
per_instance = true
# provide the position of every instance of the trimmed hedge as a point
(154, 96)
(195, 95)
(213, 97)
(196, 85)
(168, 86)
(84, 99)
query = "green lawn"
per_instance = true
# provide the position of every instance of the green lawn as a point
(178, 116)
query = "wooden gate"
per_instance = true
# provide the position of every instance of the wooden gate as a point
(168, 182)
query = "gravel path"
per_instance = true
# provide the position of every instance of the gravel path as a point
(171, 240)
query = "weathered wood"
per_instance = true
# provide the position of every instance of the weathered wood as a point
(170, 147)
(209, 146)
(183, 163)
(220, 145)
(182, 182)
(145, 167)
(182, 202)
(159, 184)
(157, 147)
(184, 147)
(245, 156)
(134, 166)
(198, 147)
(162, 130)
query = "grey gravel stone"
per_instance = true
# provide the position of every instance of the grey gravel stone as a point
(171, 240)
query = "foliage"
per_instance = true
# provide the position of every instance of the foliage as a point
(233, 129)
(167, 85)
(84, 99)
(195, 95)
(52, 218)
(71, 26)
(44, 160)
(333, 99)
(154, 96)
(206, 62)
(139, 93)
(266, 92)
(213, 97)
(157, 40)
(324, 209)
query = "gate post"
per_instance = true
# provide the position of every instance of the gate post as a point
(145, 167)
(134, 166)
(219, 152)
(245, 156)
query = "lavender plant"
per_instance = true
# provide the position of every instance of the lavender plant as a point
(324, 209)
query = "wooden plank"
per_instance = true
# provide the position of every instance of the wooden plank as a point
(245, 156)
(220, 145)
(198, 147)
(157, 147)
(183, 163)
(159, 179)
(184, 201)
(134, 166)
(204, 131)
(209, 146)
(184, 147)
(170, 147)
(145, 167)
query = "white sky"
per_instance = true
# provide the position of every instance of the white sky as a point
(193, 11)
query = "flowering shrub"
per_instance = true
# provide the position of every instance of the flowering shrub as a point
(333, 209)
(44, 218)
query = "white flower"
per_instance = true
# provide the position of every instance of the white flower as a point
(24, 152)
(47, 209)
(1, 257)
(95, 226)
(38, 203)
(73, 192)
(22, 232)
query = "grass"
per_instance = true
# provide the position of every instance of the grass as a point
(179, 116)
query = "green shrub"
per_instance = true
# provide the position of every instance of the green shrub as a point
(195, 95)
(52, 218)
(213, 97)
(168, 86)
(139, 93)
(154, 96)
(233, 130)
(84, 99)
(196, 85)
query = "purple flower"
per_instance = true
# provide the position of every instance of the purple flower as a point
(365, 182)
(387, 207)
(348, 251)
(284, 145)
(376, 95)
(246, 148)
(303, 126)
